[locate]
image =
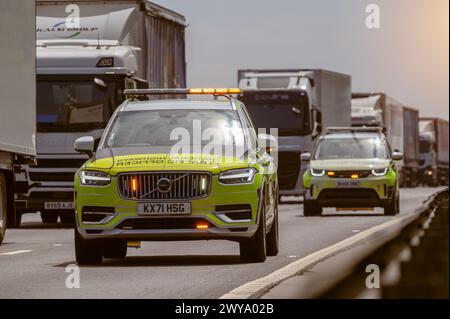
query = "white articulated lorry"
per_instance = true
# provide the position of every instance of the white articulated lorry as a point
(88, 52)
(18, 99)
(434, 136)
(400, 125)
(300, 104)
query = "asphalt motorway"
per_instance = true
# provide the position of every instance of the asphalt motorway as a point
(34, 258)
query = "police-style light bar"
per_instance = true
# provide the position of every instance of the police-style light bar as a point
(355, 129)
(210, 91)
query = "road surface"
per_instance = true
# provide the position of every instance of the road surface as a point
(33, 259)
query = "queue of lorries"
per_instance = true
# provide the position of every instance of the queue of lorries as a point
(69, 91)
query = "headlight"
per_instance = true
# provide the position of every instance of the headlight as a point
(238, 176)
(317, 172)
(94, 178)
(380, 171)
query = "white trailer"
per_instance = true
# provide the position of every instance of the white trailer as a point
(17, 103)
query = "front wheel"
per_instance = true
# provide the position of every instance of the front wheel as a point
(273, 241)
(309, 209)
(49, 217)
(68, 218)
(3, 207)
(393, 208)
(115, 248)
(87, 252)
(254, 250)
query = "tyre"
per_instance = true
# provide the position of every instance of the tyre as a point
(87, 252)
(273, 241)
(309, 209)
(16, 220)
(3, 206)
(49, 218)
(114, 248)
(393, 208)
(68, 218)
(254, 250)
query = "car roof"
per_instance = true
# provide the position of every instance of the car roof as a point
(176, 104)
(347, 135)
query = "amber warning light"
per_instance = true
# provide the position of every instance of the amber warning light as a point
(205, 91)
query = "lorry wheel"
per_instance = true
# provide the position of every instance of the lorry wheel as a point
(393, 208)
(310, 209)
(273, 241)
(254, 250)
(68, 218)
(115, 248)
(87, 252)
(3, 206)
(49, 218)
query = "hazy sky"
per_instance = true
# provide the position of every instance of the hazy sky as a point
(407, 57)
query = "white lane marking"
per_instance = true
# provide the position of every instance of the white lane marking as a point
(355, 231)
(253, 287)
(57, 245)
(16, 252)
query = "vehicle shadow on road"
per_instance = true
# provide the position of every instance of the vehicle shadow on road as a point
(164, 261)
(45, 226)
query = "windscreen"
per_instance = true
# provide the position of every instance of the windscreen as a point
(351, 148)
(424, 146)
(288, 112)
(168, 127)
(68, 105)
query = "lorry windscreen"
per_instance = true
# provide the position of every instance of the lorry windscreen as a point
(288, 112)
(424, 147)
(74, 105)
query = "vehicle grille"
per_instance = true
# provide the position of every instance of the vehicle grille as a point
(52, 177)
(162, 223)
(184, 185)
(348, 194)
(348, 174)
(288, 169)
(59, 162)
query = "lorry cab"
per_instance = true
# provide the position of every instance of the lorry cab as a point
(82, 73)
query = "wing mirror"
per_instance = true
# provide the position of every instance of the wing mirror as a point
(84, 145)
(305, 157)
(268, 142)
(397, 156)
(100, 84)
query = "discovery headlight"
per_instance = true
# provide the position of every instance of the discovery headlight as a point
(317, 172)
(238, 176)
(94, 178)
(380, 171)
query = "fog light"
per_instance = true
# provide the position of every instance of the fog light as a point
(354, 176)
(202, 226)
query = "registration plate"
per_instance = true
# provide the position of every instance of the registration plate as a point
(59, 205)
(164, 208)
(347, 184)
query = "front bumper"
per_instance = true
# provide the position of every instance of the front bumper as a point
(368, 192)
(126, 223)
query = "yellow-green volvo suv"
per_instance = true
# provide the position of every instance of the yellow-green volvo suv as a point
(176, 169)
(351, 168)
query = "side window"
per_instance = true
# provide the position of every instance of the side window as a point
(250, 129)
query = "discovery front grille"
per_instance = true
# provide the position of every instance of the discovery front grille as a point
(164, 185)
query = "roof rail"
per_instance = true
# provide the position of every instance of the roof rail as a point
(204, 91)
(373, 129)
